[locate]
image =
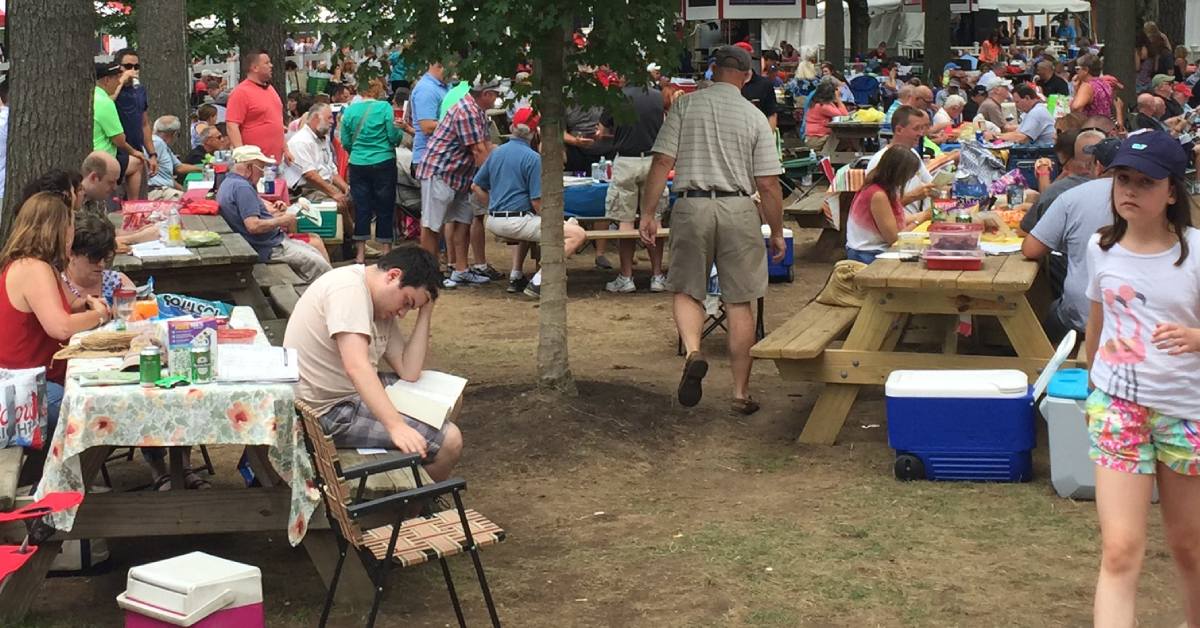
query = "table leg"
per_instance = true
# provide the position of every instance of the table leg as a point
(950, 336)
(260, 463)
(1026, 333)
(176, 469)
(355, 589)
(871, 329)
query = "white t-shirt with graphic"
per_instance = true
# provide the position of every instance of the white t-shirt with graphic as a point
(1137, 292)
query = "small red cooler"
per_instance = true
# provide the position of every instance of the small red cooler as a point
(194, 589)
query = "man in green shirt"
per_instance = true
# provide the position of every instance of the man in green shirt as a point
(107, 133)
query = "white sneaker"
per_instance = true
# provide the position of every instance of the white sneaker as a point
(469, 277)
(621, 284)
(449, 284)
(658, 283)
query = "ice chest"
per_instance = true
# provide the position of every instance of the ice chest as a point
(328, 226)
(782, 270)
(194, 589)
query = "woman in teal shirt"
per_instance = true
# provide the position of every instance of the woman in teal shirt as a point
(370, 132)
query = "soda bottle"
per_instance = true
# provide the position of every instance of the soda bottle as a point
(174, 227)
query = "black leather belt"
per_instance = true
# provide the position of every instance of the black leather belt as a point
(508, 214)
(646, 154)
(709, 193)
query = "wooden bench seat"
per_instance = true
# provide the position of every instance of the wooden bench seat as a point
(10, 472)
(283, 298)
(806, 210)
(622, 234)
(807, 334)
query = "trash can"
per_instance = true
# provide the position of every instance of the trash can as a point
(195, 589)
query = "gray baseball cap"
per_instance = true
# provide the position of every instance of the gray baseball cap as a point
(733, 57)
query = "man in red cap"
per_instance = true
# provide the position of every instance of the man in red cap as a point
(509, 184)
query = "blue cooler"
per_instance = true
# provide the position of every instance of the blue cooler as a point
(783, 270)
(966, 425)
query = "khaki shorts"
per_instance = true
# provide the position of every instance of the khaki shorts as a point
(816, 142)
(164, 194)
(625, 190)
(302, 258)
(527, 228)
(441, 204)
(722, 231)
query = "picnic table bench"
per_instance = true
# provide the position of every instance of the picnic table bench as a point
(805, 348)
(623, 234)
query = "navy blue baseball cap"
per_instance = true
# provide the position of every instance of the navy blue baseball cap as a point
(1155, 154)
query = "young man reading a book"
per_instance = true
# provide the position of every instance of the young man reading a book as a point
(344, 323)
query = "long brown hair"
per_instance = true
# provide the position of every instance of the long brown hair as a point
(40, 231)
(1179, 217)
(895, 169)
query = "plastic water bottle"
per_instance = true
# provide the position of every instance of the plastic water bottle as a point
(174, 228)
(269, 181)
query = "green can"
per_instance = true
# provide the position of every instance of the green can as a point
(201, 365)
(149, 366)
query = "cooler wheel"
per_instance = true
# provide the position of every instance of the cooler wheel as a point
(909, 467)
(791, 275)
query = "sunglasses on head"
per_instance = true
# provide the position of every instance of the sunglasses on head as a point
(131, 66)
(1093, 128)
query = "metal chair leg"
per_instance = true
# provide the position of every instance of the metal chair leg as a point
(483, 586)
(380, 582)
(333, 582)
(462, 623)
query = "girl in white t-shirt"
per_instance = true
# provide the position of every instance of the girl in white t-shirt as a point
(1143, 345)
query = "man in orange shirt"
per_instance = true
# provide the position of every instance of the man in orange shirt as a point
(254, 114)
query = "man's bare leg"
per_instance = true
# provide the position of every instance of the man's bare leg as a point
(689, 320)
(741, 337)
(447, 456)
(462, 236)
(478, 241)
(133, 179)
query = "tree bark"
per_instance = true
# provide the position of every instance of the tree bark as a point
(52, 82)
(1171, 19)
(937, 39)
(835, 34)
(260, 26)
(162, 39)
(1118, 44)
(553, 367)
(860, 25)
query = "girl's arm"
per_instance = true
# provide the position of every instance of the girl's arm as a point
(1091, 337)
(885, 220)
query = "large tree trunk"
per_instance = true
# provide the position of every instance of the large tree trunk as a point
(835, 34)
(553, 368)
(52, 81)
(1171, 19)
(260, 27)
(162, 39)
(1118, 43)
(860, 25)
(937, 39)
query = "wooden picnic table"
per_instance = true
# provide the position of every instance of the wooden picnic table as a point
(895, 292)
(840, 132)
(226, 268)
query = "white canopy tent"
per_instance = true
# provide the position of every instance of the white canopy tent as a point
(889, 22)
(1010, 7)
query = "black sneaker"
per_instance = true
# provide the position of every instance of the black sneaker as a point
(488, 271)
(516, 285)
(533, 291)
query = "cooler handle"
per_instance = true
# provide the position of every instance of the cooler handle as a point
(217, 603)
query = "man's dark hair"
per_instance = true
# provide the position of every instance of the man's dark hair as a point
(904, 115)
(95, 236)
(419, 266)
(770, 55)
(304, 103)
(336, 89)
(221, 127)
(289, 65)
(120, 55)
(1064, 145)
(57, 181)
(252, 58)
(1025, 91)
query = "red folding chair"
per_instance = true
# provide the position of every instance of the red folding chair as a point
(13, 557)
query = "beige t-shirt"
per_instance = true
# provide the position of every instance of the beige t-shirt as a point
(337, 302)
(720, 141)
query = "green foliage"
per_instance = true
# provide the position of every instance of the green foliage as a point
(213, 24)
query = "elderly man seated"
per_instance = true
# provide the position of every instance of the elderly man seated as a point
(263, 228)
(212, 139)
(163, 185)
(509, 184)
(313, 172)
(1037, 123)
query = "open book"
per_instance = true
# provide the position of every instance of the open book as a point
(257, 363)
(431, 399)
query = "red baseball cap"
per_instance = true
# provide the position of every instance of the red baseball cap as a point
(745, 45)
(526, 116)
(1182, 88)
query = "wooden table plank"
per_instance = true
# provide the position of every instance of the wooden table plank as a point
(240, 251)
(1017, 274)
(206, 223)
(981, 280)
(876, 274)
(910, 275)
(818, 321)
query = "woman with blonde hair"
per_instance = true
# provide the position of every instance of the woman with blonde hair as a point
(370, 133)
(34, 310)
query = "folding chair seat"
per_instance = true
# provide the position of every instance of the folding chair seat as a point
(413, 539)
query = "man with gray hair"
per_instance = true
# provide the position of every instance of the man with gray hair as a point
(1049, 82)
(313, 172)
(163, 186)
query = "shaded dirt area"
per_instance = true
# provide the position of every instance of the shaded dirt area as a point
(623, 509)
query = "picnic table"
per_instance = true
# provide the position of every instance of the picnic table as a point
(95, 419)
(896, 292)
(224, 268)
(840, 132)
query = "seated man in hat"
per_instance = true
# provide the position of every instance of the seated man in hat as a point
(509, 184)
(263, 227)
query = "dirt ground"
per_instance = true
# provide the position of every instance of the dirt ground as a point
(624, 509)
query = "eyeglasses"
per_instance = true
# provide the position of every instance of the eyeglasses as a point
(131, 66)
(106, 259)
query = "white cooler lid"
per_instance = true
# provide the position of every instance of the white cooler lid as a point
(1060, 356)
(985, 384)
(190, 584)
(766, 231)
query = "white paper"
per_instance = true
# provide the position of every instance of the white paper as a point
(367, 451)
(569, 181)
(1000, 249)
(256, 363)
(158, 248)
(200, 185)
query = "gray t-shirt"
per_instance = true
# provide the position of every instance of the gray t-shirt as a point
(1038, 125)
(1067, 226)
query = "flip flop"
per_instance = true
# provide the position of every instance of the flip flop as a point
(694, 370)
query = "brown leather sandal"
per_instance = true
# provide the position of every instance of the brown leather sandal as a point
(745, 406)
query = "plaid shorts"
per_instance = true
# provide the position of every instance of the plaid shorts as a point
(351, 425)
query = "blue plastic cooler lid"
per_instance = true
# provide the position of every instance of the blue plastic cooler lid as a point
(1069, 384)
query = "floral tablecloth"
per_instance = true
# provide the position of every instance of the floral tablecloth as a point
(208, 414)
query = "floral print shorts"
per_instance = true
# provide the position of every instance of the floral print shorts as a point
(1131, 438)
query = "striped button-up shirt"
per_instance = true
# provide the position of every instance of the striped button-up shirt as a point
(448, 154)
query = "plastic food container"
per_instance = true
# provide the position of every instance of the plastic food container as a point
(911, 241)
(952, 260)
(229, 336)
(955, 236)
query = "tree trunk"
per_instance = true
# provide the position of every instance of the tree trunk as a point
(162, 39)
(553, 368)
(835, 34)
(52, 82)
(860, 25)
(937, 39)
(1118, 44)
(1171, 19)
(261, 27)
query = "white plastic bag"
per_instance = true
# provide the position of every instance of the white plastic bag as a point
(23, 408)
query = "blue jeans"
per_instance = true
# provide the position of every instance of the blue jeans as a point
(860, 255)
(373, 189)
